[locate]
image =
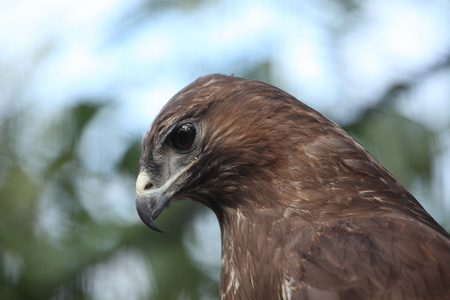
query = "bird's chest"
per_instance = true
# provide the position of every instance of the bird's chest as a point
(256, 264)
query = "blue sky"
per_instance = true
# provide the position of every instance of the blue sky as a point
(70, 49)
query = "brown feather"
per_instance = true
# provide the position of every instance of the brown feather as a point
(305, 211)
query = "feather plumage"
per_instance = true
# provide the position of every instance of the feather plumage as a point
(305, 211)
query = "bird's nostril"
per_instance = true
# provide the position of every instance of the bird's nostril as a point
(143, 182)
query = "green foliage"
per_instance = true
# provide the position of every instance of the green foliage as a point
(50, 241)
(128, 162)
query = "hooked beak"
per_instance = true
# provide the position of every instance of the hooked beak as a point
(151, 201)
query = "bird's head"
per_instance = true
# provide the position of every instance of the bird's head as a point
(232, 143)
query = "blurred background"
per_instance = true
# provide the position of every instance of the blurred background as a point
(81, 82)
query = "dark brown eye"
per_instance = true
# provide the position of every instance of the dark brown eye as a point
(184, 136)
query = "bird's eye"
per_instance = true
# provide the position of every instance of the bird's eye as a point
(184, 136)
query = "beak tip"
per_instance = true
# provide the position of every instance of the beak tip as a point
(146, 212)
(155, 228)
(148, 220)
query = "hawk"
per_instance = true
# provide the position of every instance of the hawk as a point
(305, 211)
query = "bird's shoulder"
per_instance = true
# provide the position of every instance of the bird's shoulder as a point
(366, 257)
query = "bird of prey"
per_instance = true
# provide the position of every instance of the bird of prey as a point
(305, 211)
